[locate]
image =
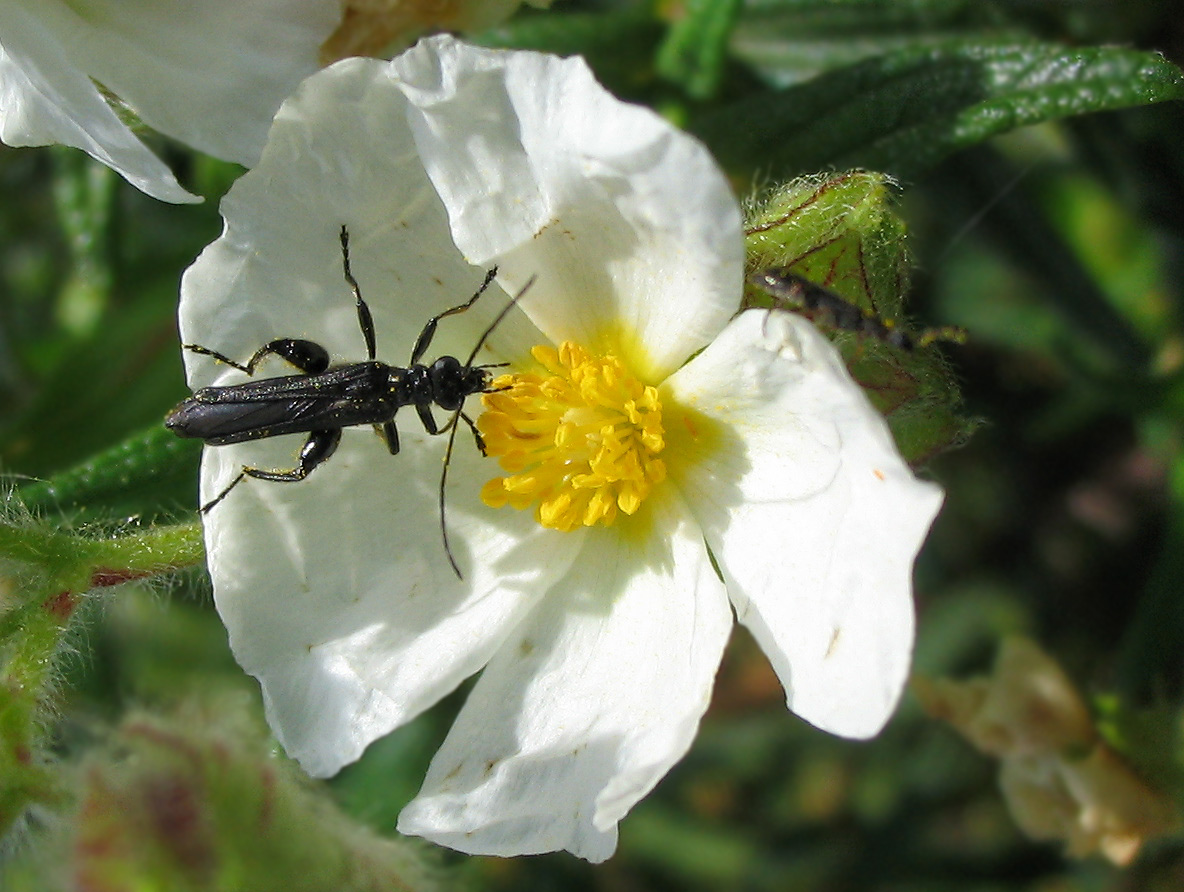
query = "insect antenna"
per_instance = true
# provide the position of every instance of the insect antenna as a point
(498, 319)
(459, 414)
(443, 479)
(365, 320)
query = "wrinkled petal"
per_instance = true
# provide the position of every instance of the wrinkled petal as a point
(44, 102)
(548, 175)
(209, 73)
(1027, 705)
(588, 705)
(336, 590)
(812, 515)
(1092, 800)
(340, 153)
(339, 598)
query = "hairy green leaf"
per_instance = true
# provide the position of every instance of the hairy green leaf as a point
(151, 472)
(905, 111)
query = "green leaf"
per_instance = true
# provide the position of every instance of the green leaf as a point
(790, 41)
(905, 111)
(1149, 664)
(838, 231)
(152, 472)
(618, 44)
(694, 51)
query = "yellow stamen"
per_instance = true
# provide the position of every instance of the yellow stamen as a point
(581, 440)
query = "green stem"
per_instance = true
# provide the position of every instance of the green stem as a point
(51, 571)
(48, 572)
(151, 552)
(76, 564)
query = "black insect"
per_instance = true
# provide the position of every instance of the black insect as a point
(326, 398)
(823, 305)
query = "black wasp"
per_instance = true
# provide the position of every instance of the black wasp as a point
(832, 310)
(325, 398)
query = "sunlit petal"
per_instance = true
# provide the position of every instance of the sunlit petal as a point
(588, 705)
(210, 74)
(814, 518)
(544, 172)
(336, 590)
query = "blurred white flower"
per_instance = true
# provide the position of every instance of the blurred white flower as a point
(210, 73)
(720, 461)
(1093, 803)
(1059, 778)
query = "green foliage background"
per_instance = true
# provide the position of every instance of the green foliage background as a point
(1059, 247)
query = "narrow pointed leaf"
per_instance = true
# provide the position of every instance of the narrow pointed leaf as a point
(904, 112)
(151, 472)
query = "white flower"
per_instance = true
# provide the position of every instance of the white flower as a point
(210, 73)
(598, 645)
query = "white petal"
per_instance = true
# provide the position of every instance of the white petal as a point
(812, 515)
(588, 706)
(339, 598)
(336, 590)
(626, 222)
(340, 153)
(208, 72)
(44, 100)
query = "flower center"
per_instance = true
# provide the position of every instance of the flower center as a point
(581, 440)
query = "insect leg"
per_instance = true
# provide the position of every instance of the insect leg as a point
(429, 330)
(390, 433)
(365, 320)
(477, 438)
(951, 333)
(308, 356)
(319, 446)
(428, 419)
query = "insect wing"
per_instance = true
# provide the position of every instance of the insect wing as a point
(226, 421)
(355, 394)
(267, 390)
